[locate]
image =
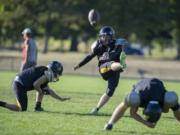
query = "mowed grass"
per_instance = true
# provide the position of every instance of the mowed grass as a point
(72, 117)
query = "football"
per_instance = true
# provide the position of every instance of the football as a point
(93, 17)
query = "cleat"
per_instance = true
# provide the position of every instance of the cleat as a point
(38, 109)
(108, 127)
(94, 111)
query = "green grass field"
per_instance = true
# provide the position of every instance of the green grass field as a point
(72, 117)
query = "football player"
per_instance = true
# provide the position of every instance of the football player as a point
(35, 78)
(108, 52)
(151, 95)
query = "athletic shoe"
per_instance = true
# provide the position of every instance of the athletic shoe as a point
(94, 111)
(108, 127)
(40, 109)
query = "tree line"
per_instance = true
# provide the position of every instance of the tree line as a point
(148, 21)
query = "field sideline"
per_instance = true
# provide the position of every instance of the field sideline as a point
(72, 117)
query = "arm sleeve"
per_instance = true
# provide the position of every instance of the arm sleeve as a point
(87, 59)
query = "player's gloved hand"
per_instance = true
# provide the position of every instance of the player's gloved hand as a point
(45, 92)
(150, 125)
(104, 57)
(76, 67)
(106, 54)
(66, 98)
(123, 59)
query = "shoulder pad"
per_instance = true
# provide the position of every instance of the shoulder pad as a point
(121, 41)
(93, 46)
(49, 75)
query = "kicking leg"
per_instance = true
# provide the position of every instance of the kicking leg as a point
(116, 66)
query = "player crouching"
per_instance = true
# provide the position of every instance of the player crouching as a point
(151, 95)
(35, 78)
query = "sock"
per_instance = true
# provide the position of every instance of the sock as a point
(3, 104)
(38, 105)
(111, 123)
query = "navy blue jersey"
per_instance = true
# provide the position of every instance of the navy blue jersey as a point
(30, 75)
(99, 49)
(150, 90)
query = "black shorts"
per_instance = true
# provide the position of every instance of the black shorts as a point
(105, 70)
(111, 76)
(20, 94)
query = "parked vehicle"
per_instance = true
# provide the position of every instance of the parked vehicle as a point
(130, 50)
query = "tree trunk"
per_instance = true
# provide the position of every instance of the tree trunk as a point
(45, 48)
(178, 51)
(74, 43)
(62, 45)
(12, 44)
(178, 42)
(150, 50)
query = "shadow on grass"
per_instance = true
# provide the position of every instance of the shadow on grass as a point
(85, 114)
(98, 115)
(76, 113)
(141, 133)
(168, 117)
(82, 93)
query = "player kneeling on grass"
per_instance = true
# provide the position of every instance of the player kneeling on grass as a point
(151, 95)
(35, 78)
(111, 62)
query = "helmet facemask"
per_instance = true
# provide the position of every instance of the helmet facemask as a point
(106, 39)
(54, 77)
(152, 112)
(55, 70)
(106, 34)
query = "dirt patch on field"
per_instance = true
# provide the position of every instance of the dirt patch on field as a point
(137, 67)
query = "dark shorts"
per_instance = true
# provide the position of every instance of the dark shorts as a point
(105, 70)
(111, 76)
(20, 94)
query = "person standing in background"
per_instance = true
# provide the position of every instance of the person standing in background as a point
(29, 50)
